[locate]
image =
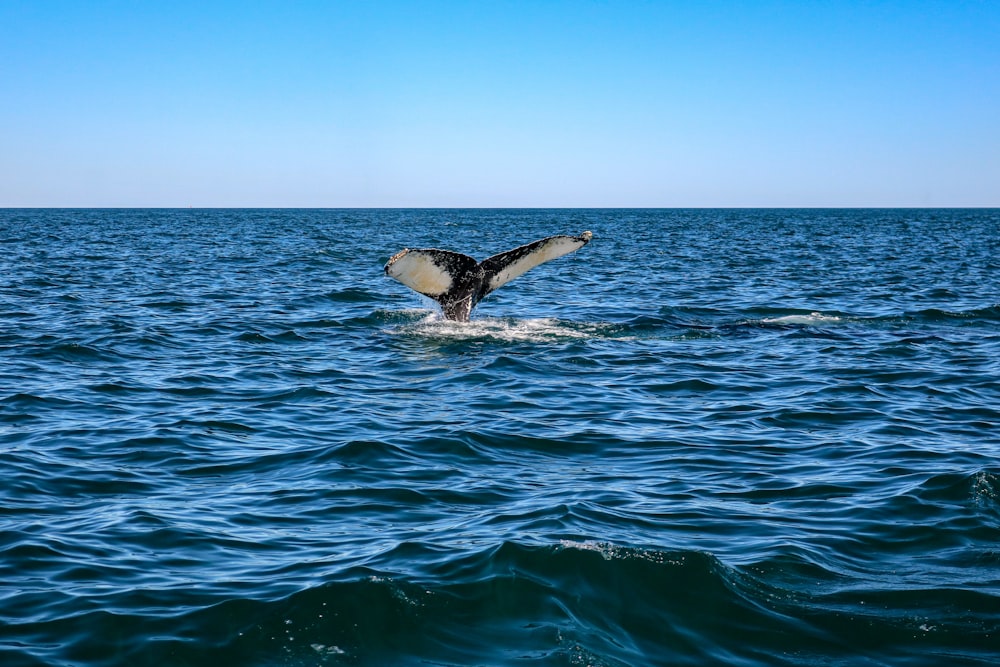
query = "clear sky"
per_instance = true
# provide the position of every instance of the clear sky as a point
(478, 103)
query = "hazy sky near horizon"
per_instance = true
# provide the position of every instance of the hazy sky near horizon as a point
(544, 103)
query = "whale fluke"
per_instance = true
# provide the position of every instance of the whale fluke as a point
(458, 282)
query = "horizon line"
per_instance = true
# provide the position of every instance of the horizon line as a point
(522, 208)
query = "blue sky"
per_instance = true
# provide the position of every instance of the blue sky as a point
(544, 103)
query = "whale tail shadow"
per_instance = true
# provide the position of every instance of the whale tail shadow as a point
(458, 282)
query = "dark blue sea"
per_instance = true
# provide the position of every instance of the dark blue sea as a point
(709, 437)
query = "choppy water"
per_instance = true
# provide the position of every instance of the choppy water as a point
(709, 437)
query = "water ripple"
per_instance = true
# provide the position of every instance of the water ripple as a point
(773, 444)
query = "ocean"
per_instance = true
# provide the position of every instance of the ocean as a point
(709, 437)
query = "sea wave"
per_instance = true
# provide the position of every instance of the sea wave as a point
(576, 602)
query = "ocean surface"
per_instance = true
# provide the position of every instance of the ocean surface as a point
(709, 437)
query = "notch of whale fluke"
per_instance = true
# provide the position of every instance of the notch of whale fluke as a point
(458, 282)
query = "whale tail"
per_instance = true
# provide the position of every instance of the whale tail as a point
(458, 282)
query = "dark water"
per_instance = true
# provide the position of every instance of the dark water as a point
(709, 437)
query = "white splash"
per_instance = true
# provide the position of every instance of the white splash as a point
(501, 329)
(805, 320)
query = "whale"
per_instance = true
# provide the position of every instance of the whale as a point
(458, 282)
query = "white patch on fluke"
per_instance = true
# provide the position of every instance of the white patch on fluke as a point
(553, 248)
(418, 271)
